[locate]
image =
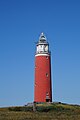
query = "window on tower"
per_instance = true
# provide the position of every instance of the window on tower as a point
(46, 57)
(46, 74)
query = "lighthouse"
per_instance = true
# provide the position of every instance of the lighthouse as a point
(42, 82)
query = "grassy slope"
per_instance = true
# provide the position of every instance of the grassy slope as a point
(44, 112)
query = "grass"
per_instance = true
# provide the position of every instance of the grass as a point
(44, 112)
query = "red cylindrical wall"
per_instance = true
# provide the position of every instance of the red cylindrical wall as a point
(42, 87)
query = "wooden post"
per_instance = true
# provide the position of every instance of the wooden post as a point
(34, 106)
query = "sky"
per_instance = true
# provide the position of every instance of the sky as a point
(21, 23)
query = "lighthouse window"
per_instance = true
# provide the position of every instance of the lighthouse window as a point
(46, 57)
(35, 84)
(35, 66)
(46, 74)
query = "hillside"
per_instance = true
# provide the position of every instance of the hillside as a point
(54, 111)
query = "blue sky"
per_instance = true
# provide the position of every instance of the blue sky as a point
(21, 22)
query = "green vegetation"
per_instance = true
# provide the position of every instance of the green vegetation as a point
(45, 111)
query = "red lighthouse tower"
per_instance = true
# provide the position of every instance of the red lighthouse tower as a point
(42, 87)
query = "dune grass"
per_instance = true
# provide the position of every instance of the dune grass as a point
(44, 112)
